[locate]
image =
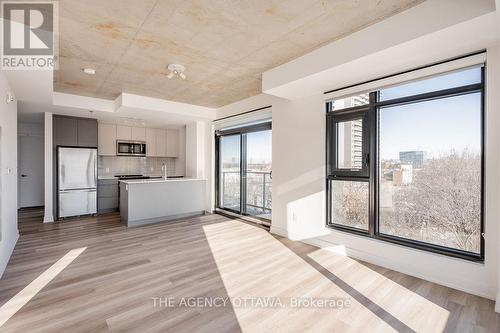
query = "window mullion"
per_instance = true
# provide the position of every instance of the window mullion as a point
(373, 165)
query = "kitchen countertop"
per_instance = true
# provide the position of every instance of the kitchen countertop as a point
(114, 177)
(154, 181)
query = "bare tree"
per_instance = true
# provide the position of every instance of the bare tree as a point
(444, 199)
(350, 204)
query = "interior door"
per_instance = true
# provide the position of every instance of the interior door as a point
(31, 171)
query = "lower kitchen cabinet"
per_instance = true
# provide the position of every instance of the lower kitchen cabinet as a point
(107, 196)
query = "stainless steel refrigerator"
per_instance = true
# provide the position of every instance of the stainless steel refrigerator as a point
(77, 181)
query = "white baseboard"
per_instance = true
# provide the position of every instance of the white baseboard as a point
(8, 247)
(497, 303)
(48, 219)
(380, 261)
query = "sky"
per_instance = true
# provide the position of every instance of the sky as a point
(259, 147)
(435, 127)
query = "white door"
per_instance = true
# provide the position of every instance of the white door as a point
(31, 171)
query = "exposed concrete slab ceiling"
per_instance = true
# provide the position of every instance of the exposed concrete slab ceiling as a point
(225, 45)
(452, 28)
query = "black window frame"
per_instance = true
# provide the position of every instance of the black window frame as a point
(333, 119)
(372, 160)
(242, 132)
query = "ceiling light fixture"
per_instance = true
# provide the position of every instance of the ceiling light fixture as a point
(89, 71)
(176, 69)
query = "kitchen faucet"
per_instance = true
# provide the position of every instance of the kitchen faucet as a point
(164, 168)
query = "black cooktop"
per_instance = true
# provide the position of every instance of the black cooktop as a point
(124, 177)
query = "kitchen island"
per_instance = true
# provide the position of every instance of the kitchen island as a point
(158, 200)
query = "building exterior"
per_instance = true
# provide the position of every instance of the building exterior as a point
(350, 145)
(413, 157)
(403, 176)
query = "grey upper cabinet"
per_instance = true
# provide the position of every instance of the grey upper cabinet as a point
(65, 131)
(87, 132)
(77, 132)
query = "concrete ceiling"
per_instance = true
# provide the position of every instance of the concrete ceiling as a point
(225, 45)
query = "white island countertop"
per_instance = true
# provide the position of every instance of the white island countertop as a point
(144, 201)
(160, 180)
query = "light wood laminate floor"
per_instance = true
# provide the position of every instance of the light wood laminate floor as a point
(112, 285)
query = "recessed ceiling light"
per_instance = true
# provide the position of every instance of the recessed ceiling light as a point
(89, 71)
(176, 69)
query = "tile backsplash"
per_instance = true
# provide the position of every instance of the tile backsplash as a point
(114, 165)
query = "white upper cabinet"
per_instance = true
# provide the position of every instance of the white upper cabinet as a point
(150, 142)
(123, 132)
(172, 143)
(138, 133)
(161, 142)
(106, 139)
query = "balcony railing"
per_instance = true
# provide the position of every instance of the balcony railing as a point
(258, 194)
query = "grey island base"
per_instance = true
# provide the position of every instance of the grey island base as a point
(152, 201)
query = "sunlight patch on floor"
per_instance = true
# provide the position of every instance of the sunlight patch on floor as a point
(24, 296)
(288, 272)
(404, 304)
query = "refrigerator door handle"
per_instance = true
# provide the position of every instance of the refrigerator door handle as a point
(87, 189)
(95, 174)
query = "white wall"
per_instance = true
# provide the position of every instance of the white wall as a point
(48, 181)
(195, 149)
(494, 104)
(198, 154)
(8, 174)
(180, 162)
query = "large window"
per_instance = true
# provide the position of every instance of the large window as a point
(244, 170)
(405, 163)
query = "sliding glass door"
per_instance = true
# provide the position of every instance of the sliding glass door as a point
(230, 172)
(258, 174)
(244, 164)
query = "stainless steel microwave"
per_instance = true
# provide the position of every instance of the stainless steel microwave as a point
(130, 148)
